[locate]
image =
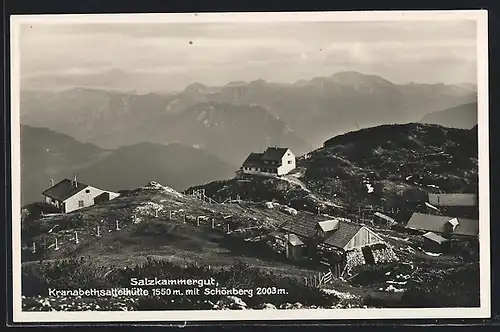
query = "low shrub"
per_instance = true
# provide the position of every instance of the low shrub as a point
(82, 273)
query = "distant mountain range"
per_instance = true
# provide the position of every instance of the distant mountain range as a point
(228, 131)
(48, 155)
(301, 115)
(463, 116)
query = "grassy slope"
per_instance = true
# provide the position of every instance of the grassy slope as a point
(394, 159)
(172, 239)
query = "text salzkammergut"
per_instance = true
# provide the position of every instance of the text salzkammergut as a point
(172, 282)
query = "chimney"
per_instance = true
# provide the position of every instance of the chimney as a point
(74, 181)
(51, 182)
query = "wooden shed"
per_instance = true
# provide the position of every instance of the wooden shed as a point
(435, 243)
(294, 247)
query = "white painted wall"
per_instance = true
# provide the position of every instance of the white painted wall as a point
(287, 163)
(86, 195)
(113, 195)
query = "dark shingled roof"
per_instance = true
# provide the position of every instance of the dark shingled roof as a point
(341, 237)
(306, 225)
(255, 160)
(274, 154)
(436, 224)
(64, 189)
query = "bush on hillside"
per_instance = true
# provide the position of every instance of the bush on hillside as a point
(82, 273)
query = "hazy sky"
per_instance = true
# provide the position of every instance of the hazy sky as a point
(416, 51)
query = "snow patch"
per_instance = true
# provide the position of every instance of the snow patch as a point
(369, 187)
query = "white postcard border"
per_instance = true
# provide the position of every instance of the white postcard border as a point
(484, 311)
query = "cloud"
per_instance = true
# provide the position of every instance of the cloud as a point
(275, 51)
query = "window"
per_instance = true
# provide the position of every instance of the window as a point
(80, 203)
(289, 162)
(87, 191)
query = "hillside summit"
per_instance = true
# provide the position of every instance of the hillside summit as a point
(381, 166)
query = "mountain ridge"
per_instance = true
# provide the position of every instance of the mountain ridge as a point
(462, 116)
(315, 110)
(47, 155)
(379, 166)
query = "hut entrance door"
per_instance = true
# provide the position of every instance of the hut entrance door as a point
(368, 255)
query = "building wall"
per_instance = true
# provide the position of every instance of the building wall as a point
(432, 246)
(54, 202)
(110, 196)
(86, 195)
(256, 171)
(294, 252)
(113, 195)
(287, 163)
(362, 238)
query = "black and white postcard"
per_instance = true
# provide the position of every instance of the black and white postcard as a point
(250, 166)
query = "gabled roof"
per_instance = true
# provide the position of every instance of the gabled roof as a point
(64, 189)
(255, 160)
(454, 222)
(294, 240)
(437, 224)
(385, 217)
(274, 154)
(435, 237)
(304, 225)
(328, 225)
(341, 237)
(453, 199)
